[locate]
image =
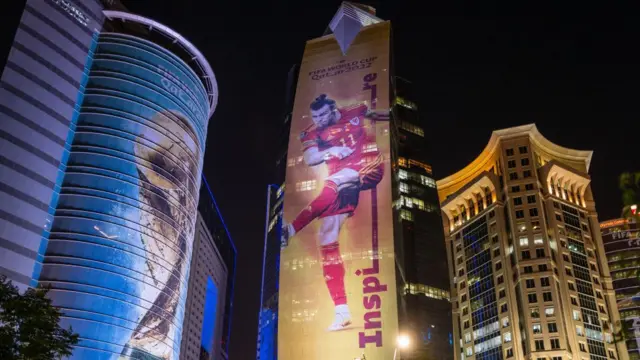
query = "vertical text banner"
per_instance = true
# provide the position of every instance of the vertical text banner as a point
(337, 279)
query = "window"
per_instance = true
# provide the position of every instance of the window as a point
(404, 188)
(513, 176)
(565, 257)
(555, 343)
(601, 308)
(524, 161)
(523, 149)
(492, 213)
(539, 345)
(537, 239)
(584, 227)
(568, 271)
(469, 351)
(546, 296)
(593, 267)
(466, 324)
(535, 313)
(544, 282)
(598, 294)
(537, 329)
(550, 311)
(515, 189)
(524, 241)
(528, 187)
(505, 322)
(533, 212)
(533, 298)
(582, 347)
(558, 217)
(579, 330)
(611, 354)
(461, 272)
(596, 281)
(509, 353)
(406, 215)
(526, 255)
(539, 253)
(571, 287)
(522, 227)
(528, 269)
(509, 152)
(519, 214)
(501, 294)
(526, 174)
(496, 252)
(511, 164)
(542, 267)
(503, 308)
(494, 239)
(556, 205)
(306, 185)
(517, 201)
(552, 327)
(465, 311)
(500, 279)
(530, 283)
(462, 285)
(576, 315)
(498, 265)
(464, 298)
(467, 337)
(574, 301)
(507, 337)
(531, 199)
(535, 225)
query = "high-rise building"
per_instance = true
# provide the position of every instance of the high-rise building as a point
(425, 307)
(267, 346)
(529, 277)
(41, 92)
(621, 239)
(207, 319)
(353, 275)
(104, 121)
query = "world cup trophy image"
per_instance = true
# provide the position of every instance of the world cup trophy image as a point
(344, 140)
(167, 181)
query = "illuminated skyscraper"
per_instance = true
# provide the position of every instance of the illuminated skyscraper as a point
(425, 307)
(529, 273)
(267, 346)
(40, 95)
(207, 320)
(389, 218)
(621, 239)
(104, 127)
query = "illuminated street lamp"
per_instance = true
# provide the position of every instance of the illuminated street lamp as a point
(402, 342)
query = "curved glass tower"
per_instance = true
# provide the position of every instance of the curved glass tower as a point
(121, 240)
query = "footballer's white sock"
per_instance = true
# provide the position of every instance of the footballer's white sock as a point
(342, 319)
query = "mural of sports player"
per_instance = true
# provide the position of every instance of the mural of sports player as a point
(167, 225)
(343, 139)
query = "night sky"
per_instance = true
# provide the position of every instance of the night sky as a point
(572, 70)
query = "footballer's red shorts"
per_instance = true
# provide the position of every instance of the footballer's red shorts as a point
(347, 201)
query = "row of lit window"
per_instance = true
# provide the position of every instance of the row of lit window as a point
(424, 180)
(428, 291)
(403, 162)
(411, 128)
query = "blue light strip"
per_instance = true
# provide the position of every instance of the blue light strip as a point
(235, 253)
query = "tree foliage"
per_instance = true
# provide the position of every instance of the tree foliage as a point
(630, 187)
(29, 326)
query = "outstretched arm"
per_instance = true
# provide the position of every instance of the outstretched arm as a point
(313, 156)
(378, 114)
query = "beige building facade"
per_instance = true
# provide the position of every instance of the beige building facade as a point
(529, 277)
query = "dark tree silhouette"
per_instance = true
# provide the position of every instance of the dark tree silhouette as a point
(29, 326)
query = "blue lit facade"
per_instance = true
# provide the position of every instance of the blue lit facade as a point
(40, 95)
(121, 240)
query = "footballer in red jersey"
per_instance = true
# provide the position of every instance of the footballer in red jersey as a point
(339, 138)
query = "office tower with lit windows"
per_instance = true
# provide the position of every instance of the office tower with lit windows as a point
(207, 319)
(425, 307)
(40, 95)
(528, 268)
(267, 345)
(103, 209)
(621, 238)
